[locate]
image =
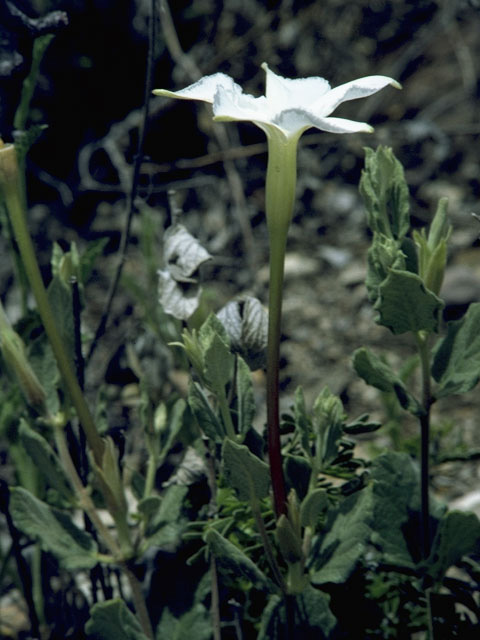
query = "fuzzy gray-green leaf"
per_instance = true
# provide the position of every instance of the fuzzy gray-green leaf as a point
(233, 563)
(385, 193)
(45, 460)
(244, 472)
(456, 365)
(458, 534)
(113, 620)
(203, 412)
(404, 304)
(54, 530)
(378, 374)
(245, 397)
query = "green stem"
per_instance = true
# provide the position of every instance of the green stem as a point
(39, 47)
(11, 185)
(139, 602)
(280, 197)
(152, 466)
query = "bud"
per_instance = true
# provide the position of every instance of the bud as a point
(66, 264)
(432, 250)
(289, 542)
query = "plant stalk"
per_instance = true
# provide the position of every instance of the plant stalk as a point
(277, 256)
(11, 187)
(280, 197)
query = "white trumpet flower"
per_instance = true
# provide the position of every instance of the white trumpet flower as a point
(289, 107)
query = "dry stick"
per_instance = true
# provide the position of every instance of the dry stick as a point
(233, 178)
(131, 206)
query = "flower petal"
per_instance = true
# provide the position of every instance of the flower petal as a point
(285, 93)
(235, 105)
(204, 89)
(360, 88)
(295, 121)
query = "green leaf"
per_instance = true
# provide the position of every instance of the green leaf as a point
(210, 328)
(396, 496)
(458, 534)
(198, 620)
(54, 530)
(385, 193)
(302, 421)
(378, 374)
(373, 519)
(218, 364)
(45, 460)
(45, 366)
(404, 304)
(175, 424)
(244, 472)
(456, 364)
(345, 542)
(313, 506)
(327, 424)
(166, 524)
(313, 619)
(113, 620)
(383, 254)
(233, 563)
(89, 257)
(60, 299)
(362, 424)
(203, 412)
(297, 471)
(245, 397)
(289, 540)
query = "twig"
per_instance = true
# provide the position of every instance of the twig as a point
(131, 206)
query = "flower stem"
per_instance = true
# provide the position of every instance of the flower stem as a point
(277, 255)
(280, 197)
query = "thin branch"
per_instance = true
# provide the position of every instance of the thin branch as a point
(131, 207)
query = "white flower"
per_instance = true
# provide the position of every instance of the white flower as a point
(289, 107)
